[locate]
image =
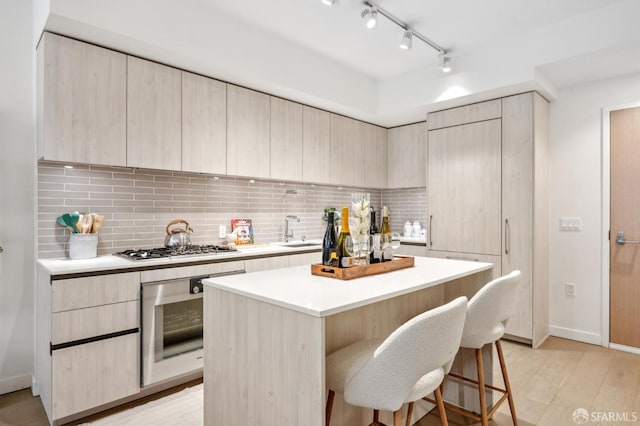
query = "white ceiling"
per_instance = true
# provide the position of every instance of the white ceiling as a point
(459, 26)
(324, 56)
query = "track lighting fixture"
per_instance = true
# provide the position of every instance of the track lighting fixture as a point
(409, 33)
(330, 2)
(405, 43)
(445, 63)
(370, 16)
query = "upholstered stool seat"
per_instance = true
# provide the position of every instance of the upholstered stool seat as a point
(487, 314)
(383, 374)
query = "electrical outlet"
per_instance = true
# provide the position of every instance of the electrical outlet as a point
(222, 231)
(570, 289)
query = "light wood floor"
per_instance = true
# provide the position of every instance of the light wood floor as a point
(549, 383)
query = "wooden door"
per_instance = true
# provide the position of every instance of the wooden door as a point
(82, 103)
(204, 124)
(154, 124)
(625, 217)
(464, 165)
(316, 146)
(407, 158)
(286, 140)
(248, 133)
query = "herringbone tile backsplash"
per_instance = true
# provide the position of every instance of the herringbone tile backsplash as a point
(138, 204)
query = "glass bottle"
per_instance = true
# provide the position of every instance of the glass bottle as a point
(330, 243)
(385, 236)
(344, 241)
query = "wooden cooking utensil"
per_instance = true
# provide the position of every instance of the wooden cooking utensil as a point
(98, 220)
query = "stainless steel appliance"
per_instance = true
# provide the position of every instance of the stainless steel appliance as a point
(172, 324)
(162, 252)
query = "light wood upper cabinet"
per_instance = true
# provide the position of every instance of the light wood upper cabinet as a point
(347, 151)
(316, 145)
(375, 156)
(286, 139)
(466, 114)
(406, 156)
(465, 188)
(248, 133)
(204, 124)
(153, 115)
(81, 102)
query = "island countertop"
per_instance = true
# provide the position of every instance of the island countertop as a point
(297, 289)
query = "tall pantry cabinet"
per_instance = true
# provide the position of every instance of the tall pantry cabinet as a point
(487, 199)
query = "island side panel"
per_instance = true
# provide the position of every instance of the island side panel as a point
(263, 364)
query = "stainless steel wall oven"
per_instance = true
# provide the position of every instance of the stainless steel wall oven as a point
(172, 324)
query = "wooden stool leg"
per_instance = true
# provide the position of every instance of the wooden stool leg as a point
(409, 413)
(483, 402)
(507, 385)
(327, 420)
(441, 410)
(397, 417)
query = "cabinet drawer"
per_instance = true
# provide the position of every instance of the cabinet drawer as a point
(465, 114)
(78, 324)
(78, 293)
(89, 375)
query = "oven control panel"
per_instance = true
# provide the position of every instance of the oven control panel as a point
(195, 284)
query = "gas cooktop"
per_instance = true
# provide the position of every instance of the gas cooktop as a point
(164, 252)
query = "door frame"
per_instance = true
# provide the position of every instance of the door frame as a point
(606, 223)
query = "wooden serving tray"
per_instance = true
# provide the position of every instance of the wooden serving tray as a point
(398, 262)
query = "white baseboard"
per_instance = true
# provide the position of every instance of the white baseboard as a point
(624, 348)
(578, 335)
(16, 383)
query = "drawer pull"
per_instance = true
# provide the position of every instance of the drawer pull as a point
(91, 339)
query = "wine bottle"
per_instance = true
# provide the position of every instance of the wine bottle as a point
(385, 236)
(344, 257)
(330, 243)
(375, 255)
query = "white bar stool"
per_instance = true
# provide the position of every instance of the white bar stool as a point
(383, 374)
(488, 312)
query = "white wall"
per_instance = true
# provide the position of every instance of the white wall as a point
(575, 190)
(17, 194)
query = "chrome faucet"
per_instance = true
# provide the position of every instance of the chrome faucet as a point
(288, 234)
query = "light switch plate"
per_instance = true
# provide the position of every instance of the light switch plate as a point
(222, 231)
(571, 224)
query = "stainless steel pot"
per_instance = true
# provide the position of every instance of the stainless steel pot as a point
(178, 237)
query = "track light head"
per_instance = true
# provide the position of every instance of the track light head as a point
(445, 63)
(331, 2)
(405, 43)
(370, 16)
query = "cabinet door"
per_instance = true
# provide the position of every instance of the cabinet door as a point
(471, 257)
(517, 204)
(248, 134)
(375, 156)
(204, 124)
(316, 146)
(286, 140)
(82, 102)
(465, 188)
(153, 115)
(347, 151)
(92, 374)
(266, 263)
(406, 156)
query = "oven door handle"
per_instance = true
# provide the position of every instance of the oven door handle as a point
(216, 274)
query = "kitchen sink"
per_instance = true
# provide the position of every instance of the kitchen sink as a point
(301, 244)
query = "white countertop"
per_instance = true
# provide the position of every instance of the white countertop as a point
(414, 240)
(297, 289)
(63, 266)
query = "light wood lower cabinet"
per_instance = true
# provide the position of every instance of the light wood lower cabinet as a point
(89, 375)
(471, 257)
(412, 250)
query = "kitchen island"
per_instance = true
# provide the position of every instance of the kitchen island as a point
(267, 333)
